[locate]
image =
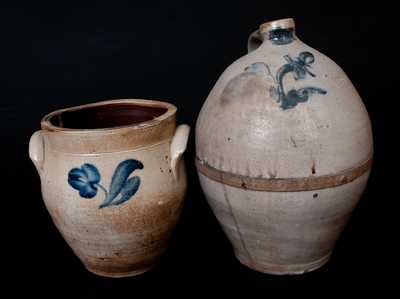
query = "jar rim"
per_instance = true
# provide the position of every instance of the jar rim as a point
(170, 111)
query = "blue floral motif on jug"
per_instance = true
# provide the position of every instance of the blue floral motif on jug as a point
(86, 179)
(299, 67)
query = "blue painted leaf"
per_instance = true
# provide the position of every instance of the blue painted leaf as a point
(85, 180)
(121, 174)
(128, 190)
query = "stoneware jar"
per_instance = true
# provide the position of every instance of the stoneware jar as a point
(113, 180)
(284, 149)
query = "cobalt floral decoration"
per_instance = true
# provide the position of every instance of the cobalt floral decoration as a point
(86, 180)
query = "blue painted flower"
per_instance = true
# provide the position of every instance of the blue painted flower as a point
(85, 179)
(299, 68)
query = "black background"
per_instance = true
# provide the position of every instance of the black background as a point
(59, 55)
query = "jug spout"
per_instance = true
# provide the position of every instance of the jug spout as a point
(278, 32)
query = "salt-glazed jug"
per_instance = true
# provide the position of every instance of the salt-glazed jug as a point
(113, 180)
(284, 150)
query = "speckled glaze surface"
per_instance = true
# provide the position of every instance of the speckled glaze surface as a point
(115, 193)
(284, 149)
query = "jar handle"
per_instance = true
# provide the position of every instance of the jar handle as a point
(255, 40)
(178, 147)
(36, 150)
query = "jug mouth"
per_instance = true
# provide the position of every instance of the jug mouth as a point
(282, 24)
(109, 115)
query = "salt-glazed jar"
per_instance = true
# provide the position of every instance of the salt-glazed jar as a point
(113, 180)
(284, 150)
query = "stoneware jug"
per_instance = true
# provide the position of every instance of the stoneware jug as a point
(284, 149)
(113, 180)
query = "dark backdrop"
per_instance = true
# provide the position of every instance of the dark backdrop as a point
(61, 55)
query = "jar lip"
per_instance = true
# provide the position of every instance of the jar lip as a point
(171, 109)
(287, 23)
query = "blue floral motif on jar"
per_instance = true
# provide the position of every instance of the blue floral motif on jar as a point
(86, 179)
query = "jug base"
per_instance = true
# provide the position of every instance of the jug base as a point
(276, 269)
(119, 274)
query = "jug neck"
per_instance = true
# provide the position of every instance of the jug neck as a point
(278, 32)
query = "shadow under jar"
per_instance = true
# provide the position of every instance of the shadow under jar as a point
(113, 180)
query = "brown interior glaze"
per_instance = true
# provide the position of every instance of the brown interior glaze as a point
(106, 116)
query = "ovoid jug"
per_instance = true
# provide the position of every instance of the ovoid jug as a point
(284, 149)
(113, 180)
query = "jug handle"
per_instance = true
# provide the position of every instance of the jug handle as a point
(254, 41)
(36, 150)
(178, 147)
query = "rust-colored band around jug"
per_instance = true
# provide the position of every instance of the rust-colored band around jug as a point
(283, 184)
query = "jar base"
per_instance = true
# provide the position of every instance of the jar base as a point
(277, 269)
(119, 274)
